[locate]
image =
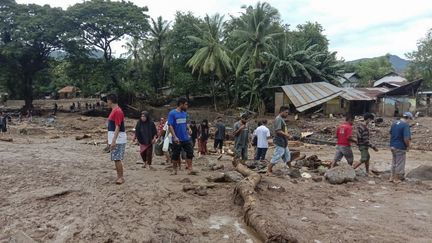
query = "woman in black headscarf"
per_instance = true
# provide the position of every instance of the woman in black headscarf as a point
(146, 133)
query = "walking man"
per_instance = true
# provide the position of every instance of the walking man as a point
(400, 139)
(363, 141)
(219, 135)
(117, 137)
(262, 134)
(344, 139)
(280, 139)
(177, 121)
(241, 137)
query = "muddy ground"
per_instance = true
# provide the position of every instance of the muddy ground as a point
(55, 188)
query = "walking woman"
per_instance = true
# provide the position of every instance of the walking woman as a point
(145, 132)
(203, 135)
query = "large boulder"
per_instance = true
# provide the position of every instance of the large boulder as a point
(340, 174)
(422, 173)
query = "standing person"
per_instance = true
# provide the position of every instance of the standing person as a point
(363, 141)
(145, 132)
(3, 123)
(160, 127)
(117, 138)
(177, 121)
(79, 106)
(280, 139)
(255, 139)
(203, 135)
(400, 140)
(219, 135)
(194, 134)
(241, 135)
(262, 134)
(166, 133)
(344, 139)
(55, 109)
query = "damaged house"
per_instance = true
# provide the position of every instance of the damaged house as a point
(384, 101)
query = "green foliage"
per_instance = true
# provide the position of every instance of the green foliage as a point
(370, 69)
(421, 60)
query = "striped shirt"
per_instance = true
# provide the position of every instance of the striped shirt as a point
(363, 135)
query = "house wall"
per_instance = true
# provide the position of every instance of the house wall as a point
(280, 100)
(336, 106)
(387, 105)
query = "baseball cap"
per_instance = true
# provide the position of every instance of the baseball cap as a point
(408, 115)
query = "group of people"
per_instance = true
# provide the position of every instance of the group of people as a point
(400, 139)
(183, 135)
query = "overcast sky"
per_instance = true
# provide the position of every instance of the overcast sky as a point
(355, 28)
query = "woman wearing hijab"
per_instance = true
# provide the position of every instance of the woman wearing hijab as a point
(146, 133)
(203, 135)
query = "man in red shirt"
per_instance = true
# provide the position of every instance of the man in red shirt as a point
(344, 139)
(117, 138)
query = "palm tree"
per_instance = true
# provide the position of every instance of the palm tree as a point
(256, 31)
(212, 57)
(157, 47)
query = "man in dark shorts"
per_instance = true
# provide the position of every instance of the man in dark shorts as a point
(177, 121)
(241, 137)
(344, 139)
(363, 141)
(219, 135)
(117, 137)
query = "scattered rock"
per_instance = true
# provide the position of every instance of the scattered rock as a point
(306, 175)
(220, 177)
(218, 167)
(82, 118)
(304, 219)
(83, 137)
(201, 191)
(6, 139)
(371, 182)
(183, 218)
(187, 188)
(276, 188)
(317, 178)
(322, 170)
(422, 173)
(340, 174)
(193, 172)
(294, 173)
(55, 137)
(185, 180)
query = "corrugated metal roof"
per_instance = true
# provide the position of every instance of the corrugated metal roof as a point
(392, 79)
(346, 77)
(308, 95)
(68, 89)
(355, 94)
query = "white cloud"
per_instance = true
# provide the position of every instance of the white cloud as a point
(355, 29)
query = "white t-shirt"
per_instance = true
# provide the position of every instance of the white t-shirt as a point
(262, 133)
(167, 131)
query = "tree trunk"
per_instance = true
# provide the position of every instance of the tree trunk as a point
(28, 93)
(214, 91)
(270, 229)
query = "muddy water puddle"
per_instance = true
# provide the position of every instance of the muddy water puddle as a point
(220, 222)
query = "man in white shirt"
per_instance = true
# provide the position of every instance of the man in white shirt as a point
(262, 133)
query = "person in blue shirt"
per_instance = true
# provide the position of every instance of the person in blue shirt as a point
(400, 139)
(180, 130)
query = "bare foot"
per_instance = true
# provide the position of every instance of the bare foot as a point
(174, 172)
(144, 165)
(120, 181)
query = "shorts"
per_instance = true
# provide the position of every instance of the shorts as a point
(118, 152)
(218, 143)
(241, 152)
(281, 153)
(364, 154)
(261, 153)
(344, 151)
(186, 146)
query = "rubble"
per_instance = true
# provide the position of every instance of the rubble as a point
(421, 173)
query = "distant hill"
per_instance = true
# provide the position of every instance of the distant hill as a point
(399, 64)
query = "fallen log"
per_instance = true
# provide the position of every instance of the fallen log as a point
(253, 217)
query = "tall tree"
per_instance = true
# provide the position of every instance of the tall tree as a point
(212, 57)
(30, 34)
(370, 69)
(421, 60)
(157, 45)
(257, 29)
